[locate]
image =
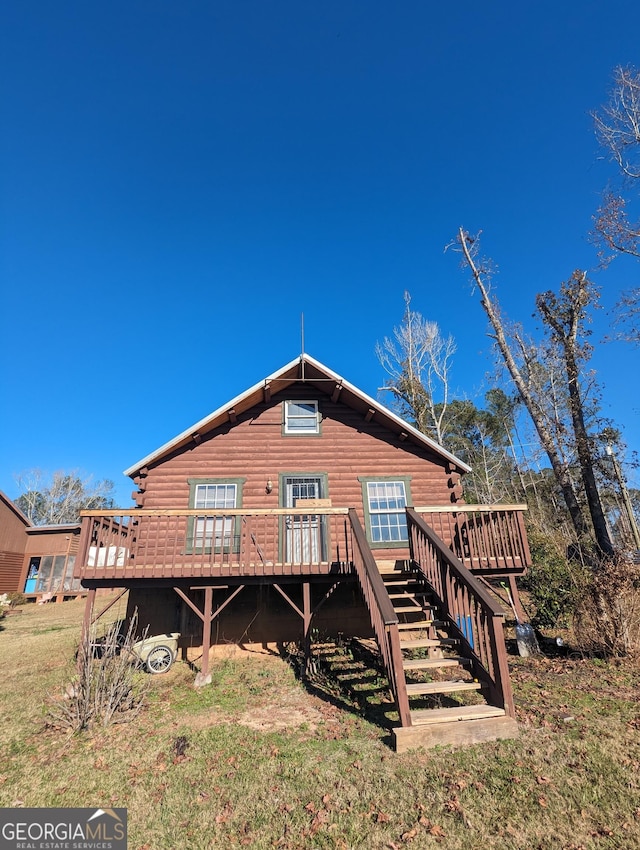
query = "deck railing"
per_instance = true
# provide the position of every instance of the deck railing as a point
(141, 543)
(383, 617)
(486, 538)
(473, 617)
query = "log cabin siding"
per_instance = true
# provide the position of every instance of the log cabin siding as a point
(255, 449)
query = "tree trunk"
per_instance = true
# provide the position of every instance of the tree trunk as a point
(560, 469)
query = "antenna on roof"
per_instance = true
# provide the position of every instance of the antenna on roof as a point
(302, 345)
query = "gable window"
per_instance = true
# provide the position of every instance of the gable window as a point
(214, 532)
(301, 417)
(385, 501)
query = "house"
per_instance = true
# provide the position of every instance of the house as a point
(304, 507)
(36, 560)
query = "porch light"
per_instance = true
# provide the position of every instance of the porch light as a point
(269, 486)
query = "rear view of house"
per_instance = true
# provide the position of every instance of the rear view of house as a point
(305, 507)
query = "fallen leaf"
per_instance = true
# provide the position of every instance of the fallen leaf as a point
(409, 835)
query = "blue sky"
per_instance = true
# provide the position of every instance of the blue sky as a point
(180, 182)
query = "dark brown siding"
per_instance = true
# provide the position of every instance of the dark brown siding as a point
(255, 449)
(12, 546)
(258, 614)
(41, 541)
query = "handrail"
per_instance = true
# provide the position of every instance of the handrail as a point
(457, 567)
(461, 507)
(384, 619)
(141, 512)
(488, 539)
(384, 604)
(211, 542)
(473, 616)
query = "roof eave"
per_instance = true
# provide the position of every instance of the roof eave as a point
(203, 424)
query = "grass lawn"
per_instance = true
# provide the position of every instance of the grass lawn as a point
(258, 760)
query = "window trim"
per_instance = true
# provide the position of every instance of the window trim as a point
(384, 479)
(286, 432)
(194, 483)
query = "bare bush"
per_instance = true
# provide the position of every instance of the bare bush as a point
(607, 618)
(106, 688)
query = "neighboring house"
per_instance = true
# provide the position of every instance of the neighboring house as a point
(36, 559)
(304, 507)
(13, 542)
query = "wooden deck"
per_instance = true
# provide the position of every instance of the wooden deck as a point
(431, 615)
(154, 544)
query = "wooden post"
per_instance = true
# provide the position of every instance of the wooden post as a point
(306, 619)
(86, 627)
(516, 600)
(204, 677)
(88, 613)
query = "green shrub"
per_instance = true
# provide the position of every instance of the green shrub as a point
(553, 584)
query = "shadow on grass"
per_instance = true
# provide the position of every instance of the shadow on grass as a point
(349, 676)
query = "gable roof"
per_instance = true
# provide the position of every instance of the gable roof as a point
(308, 370)
(14, 508)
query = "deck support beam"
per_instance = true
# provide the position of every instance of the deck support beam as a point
(306, 614)
(204, 677)
(208, 615)
(517, 604)
(88, 613)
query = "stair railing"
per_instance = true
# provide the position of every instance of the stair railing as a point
(473, 616)
(383, 617)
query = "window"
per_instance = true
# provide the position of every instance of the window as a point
(384, 503)
(301, 417)
(209, 532)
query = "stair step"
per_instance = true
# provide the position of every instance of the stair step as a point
(409, 609)
(426, 642)
(406, 595)
(429, 663)
(462, 712)
(402, 581)
(418, 688)
(421, 624)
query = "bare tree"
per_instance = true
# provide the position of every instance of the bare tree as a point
(418, 361)
(617, 221)
(566, 315)
(59, 498)
(519, 372)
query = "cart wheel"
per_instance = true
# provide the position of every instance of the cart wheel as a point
(159, 659)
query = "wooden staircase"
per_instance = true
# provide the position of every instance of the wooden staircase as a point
(446, 702)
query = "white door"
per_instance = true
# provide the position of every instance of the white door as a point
(303, 540)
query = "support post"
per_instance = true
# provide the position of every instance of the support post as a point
(513, 587)
(86, 626)
(204, 677)
(306, 619)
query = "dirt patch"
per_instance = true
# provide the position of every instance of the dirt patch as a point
(274, 718)
(292, 710)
